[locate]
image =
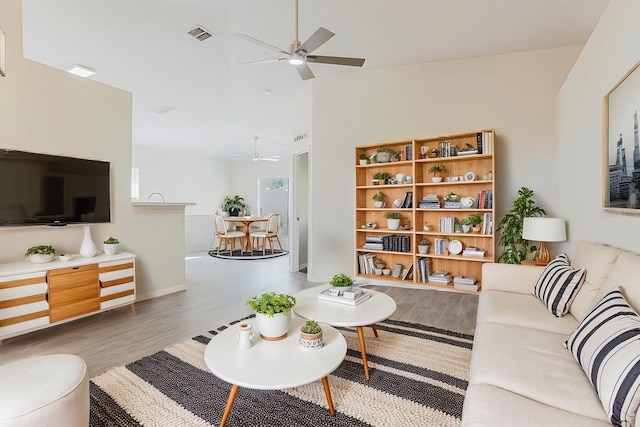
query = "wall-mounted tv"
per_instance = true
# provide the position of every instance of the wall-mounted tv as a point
(37, 189)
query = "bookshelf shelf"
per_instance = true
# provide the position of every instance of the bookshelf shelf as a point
(414, 164)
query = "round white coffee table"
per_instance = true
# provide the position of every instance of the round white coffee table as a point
(273, 365)
(375, 309)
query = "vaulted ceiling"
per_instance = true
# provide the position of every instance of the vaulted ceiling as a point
(218, 105)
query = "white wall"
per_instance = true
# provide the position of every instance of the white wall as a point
(609, 54)
(514, 94)
(50, 111)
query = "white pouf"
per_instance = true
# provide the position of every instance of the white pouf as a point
(51, 390)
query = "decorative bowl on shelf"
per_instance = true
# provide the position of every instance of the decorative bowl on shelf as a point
(65, 257)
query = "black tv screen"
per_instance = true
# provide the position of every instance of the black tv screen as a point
(38, 189)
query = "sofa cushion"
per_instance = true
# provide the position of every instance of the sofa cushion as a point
(606, 344)
(489, 406)
(523, 310)
(598, 260)
(558, 285)
(625, 274)
(533, 364)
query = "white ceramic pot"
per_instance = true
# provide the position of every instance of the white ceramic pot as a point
(40, 258)
(393, 224)
(377, 204)
(110, 248)
(363, 162)
(466, 227)
(436, 179)
(273, 328)
(384, 157)
(386, 271)
(423, 249)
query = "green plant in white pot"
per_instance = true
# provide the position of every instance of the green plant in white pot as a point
(393, 220)
(341, 281)
(423, 246)
(110, 246)
(273, 314)
(40, 254)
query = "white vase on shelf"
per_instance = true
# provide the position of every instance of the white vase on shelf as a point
(88, 249)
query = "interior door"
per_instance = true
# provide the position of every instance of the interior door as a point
(274, 198)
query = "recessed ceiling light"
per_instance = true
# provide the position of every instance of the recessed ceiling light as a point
(81, 70)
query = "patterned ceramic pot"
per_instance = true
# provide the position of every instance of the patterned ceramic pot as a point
(310, 341)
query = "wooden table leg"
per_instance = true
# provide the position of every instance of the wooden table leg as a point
(327, 392)
(230, 400)
(363, 351)
(375, 330)
(133, 309)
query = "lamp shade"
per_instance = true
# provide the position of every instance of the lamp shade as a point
(544, 229)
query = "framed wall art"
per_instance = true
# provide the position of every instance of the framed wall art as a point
(621, 145)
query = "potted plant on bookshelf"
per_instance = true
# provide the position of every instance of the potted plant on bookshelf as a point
(310, 335)
(436, 170)
(475, 220)
(341, 281)
(378, 265)
(40, 254)
(363, 159)
(378, 199)
(110, 246)
(466, 224)
(393, 220)
(423, 246)
(273, 314)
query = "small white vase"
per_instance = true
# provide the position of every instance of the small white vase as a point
(88, 249)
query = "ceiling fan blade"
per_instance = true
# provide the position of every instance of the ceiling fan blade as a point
(261, 43)
(269, 159)
(336, 60)
(317, 39)
(304, 71)
(262, 61)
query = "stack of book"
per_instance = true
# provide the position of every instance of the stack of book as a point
(429, 201)
(465, 283)
(373, 243)
(473, 251)
(440, 277)
(365, 263)
(355, 297)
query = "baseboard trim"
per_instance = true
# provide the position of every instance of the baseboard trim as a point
(162, 292)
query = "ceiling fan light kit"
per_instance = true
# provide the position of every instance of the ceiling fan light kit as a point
(298, 54)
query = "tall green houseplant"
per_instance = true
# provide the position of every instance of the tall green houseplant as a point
(515, 248)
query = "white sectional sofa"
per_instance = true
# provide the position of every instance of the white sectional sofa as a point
(521, 372)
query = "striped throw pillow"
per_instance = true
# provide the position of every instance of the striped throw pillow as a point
(558, 285)
(606, 344)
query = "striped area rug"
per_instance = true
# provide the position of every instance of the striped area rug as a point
(418, 378)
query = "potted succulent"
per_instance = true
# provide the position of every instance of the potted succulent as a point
(423, 246)
(475, 220)
(234, 205)
(435, 170)
(310, 335)
(40, 254)
(111, 246)
(378, 265)
(381, 176)
(273, 314)
(341, 281)
(378, 199)
(466, 224)
(363, 159)
(393, 220)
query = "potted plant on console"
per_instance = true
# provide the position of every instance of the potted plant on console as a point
(273, 314)
(393, 220)
(40, 254)
(435, 170)
(310, 335)
(234, 205)
(110, 246)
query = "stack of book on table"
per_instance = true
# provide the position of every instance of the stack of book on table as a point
(352, 297)
(429, 201)
(465, 283)
(440, 277)
(473, 251)
(373, 243)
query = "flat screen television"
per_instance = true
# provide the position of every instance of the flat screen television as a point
(37, 189)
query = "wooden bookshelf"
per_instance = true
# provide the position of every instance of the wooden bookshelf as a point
(475, 176)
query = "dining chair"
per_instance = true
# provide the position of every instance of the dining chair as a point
(270, 233)
(227, 236)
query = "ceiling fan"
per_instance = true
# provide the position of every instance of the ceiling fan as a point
(256, 157)
(298, 54)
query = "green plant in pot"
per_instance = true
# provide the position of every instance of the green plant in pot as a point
(273, 314)
(378, 199)
(110, 246)
(381, 177)
(342, 281)
(475, 220)
(423, 246)
(363, 159)
(40, 254)
(310, 335)
(393, 220)
(515, 248)
(234, 205)
(436, 170)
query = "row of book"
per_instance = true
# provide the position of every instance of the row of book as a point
(407, 202)
(440, 246)
(484, 200)
(440, 277)
(447, 224)
(424, 269)
(485, 142)
(388, 243)
(487, 223)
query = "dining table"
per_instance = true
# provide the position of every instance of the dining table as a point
(246, 221)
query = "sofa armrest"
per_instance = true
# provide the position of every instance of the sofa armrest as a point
(510, 277)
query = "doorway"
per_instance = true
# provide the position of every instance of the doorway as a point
(300, 213)
(273, 197)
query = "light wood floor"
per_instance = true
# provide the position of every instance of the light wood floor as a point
(216, 293)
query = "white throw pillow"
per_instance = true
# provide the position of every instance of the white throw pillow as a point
(558, 285)
(606, 344)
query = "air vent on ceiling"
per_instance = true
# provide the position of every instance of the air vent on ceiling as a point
(200, 33)
(300, 137)
(163, 110)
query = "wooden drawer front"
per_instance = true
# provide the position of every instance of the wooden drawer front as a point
(106, 267)
(73, 279)
(76, 309)
(73, 295)
(18, 280)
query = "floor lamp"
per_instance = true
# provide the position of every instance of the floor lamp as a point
(544, 230)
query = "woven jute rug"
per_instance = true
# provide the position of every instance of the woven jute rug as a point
(418, 377)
